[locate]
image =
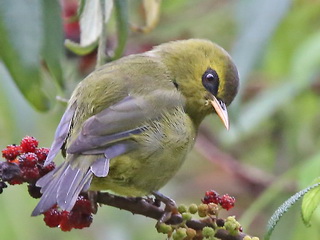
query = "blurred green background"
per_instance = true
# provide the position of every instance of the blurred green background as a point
(271, 151)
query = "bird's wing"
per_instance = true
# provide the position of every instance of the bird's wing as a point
(108, 131)
(61, 133)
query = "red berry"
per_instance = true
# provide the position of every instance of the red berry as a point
(30, 174)
(28, 160)
(80, 220)
(65, 224)
(52, 217)
(15, 181)
(11, 152)
(80, 216)
(42, 154)
(29, 144)
(211, 197)
(47, 169)
(82, 205)
(227, 202)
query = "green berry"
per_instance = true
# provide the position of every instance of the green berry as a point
(191, 233)
(207, 232)
(247, 238)
(186, 216)
(213, 209)
(231, 225)
(164, 228)
(193, 208)
(255, 238)
(182, 208)
(179, 234)
(203, 210)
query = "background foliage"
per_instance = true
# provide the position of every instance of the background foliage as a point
(271, 151)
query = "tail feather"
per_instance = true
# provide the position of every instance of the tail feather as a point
(72, 198)
(72, 183)
(47, 200)
(62, 186)
(43, 182)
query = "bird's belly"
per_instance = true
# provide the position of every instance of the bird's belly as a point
(160, 153)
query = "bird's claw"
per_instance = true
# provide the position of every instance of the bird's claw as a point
(170, 206)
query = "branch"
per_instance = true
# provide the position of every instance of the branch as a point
(147, 207)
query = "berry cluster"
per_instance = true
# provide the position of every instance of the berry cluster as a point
(79, 217)
(225, 201)
(30, 160)
(25, 163)
(208, 210)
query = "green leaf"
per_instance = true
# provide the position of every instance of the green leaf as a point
(78, 49)
(272, 223)
(91, 23)
(310, 202)
(121, 8)
(20, 47)
(52, 49)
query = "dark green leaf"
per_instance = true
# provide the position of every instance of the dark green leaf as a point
(52, 49)
(20, 47)
(121, 8)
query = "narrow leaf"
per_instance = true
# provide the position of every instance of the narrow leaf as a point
(78, 49)
(121, 8)
(52, 49)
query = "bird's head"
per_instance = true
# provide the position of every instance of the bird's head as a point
(204, 73)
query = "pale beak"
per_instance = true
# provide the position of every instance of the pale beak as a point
(221, 110)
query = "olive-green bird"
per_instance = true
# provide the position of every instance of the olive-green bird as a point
(130, 124)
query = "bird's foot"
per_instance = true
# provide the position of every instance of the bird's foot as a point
(170, 206)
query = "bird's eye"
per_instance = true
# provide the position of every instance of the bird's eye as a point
(210, 80)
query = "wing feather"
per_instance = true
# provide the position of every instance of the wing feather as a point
(118, 122)
(61, 133)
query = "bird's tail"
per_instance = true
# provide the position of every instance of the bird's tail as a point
(62, 186)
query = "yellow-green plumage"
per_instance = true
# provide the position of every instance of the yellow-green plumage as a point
(140, 172)
(130, 124)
